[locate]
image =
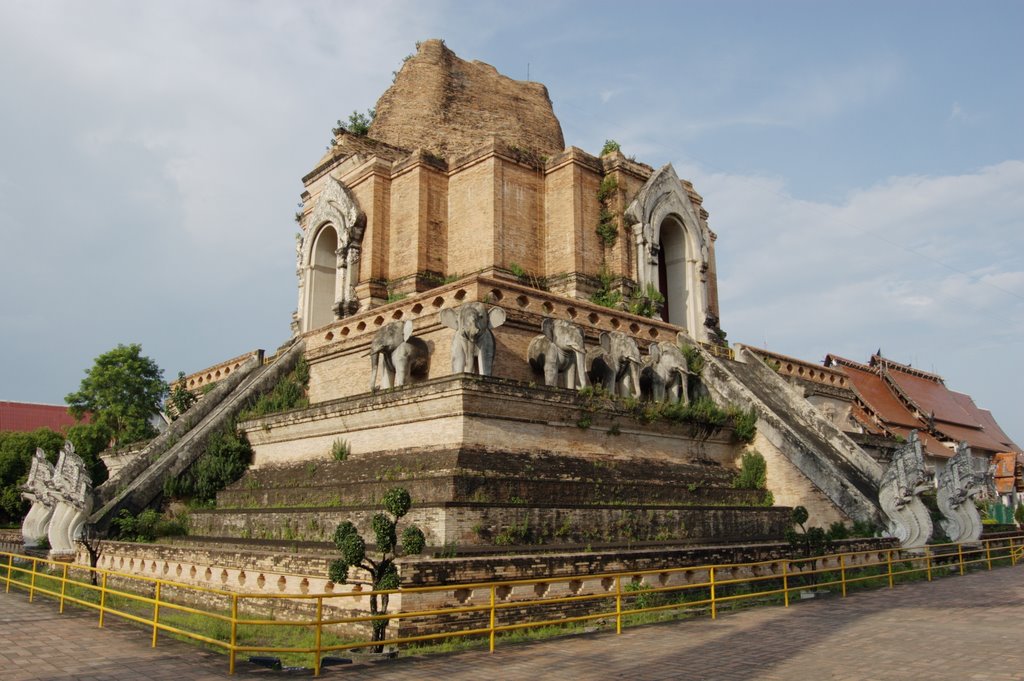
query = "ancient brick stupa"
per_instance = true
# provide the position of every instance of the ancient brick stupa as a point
(513, 331)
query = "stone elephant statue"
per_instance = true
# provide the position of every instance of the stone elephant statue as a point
(558, 351)
(397, 354)
(665, 375)
(473, 344)
(616, 364)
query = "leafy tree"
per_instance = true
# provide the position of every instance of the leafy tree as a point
(382, 570)
(122, 390)
(16, 451)
(89, 439)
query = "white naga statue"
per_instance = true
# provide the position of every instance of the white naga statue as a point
(35, 489)
(959, 483)
(905, 479)
(70, 493)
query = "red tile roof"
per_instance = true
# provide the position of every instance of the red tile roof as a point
(24, 417)
(870, 387)
(930, 397)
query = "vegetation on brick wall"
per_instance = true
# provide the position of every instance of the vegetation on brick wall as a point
(608, 221)
(382, 569)
(289, 393)
(702, 416)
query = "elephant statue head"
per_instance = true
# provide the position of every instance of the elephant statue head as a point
(396, 354)
(616, 364)
(559, 352)
(473, 344)
(665, 374)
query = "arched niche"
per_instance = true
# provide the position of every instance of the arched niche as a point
(672, 275)
(673, 252)
(323, 277)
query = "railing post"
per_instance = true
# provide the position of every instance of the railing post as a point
(234, 633)
(63, 586)
(1013, 556)
(988, 552)
(491, 625)
(785, 581)
(842, 572)
(103, 598)
(928, 561)
(888, 561)
(10, 571)
(618, 604)
(156, 612)
(319, 634)
(960, 556)
(714, 608)
(32, 581)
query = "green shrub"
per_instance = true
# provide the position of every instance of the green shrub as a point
(753, 472)
(226, 458)
(148, 526)
(610, 146)
(339, 450)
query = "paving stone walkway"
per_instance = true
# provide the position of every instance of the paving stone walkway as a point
(955, 629)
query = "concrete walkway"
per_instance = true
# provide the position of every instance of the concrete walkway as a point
(957, 629)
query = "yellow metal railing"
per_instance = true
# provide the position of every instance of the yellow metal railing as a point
(316, 622)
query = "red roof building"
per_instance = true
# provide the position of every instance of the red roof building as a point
(24, 417)
(899, 398)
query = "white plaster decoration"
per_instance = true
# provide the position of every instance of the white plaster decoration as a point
(663, 200)
(958, 485)
(899, 495)
(71, 495)
(336, 209)
(37, 521)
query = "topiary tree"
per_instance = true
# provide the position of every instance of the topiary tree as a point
(383, 571)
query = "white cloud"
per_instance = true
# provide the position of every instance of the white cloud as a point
(926, 266)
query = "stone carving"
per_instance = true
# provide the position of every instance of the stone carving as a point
(558, 352)
(37, 521)
(397, 354)
(898, 494)
(665, 374)
(616, 364)
(473, 344)
(958, 485)
(71, 495)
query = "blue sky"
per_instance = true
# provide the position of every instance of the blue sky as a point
(862, 162)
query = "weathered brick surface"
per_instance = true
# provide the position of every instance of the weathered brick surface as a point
(448, 106)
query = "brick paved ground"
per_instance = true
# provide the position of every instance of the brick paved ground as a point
(957, 629)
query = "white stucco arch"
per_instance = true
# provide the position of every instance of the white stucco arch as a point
(328, 258)
(663, 205)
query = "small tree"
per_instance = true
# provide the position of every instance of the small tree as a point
(122, 390)
(181, 397)
(383, 571)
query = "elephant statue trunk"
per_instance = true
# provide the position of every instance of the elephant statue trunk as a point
(473, 344)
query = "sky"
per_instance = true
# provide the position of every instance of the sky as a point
(862, 164)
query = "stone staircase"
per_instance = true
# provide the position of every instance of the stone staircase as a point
(140, 482)
(846, 474)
